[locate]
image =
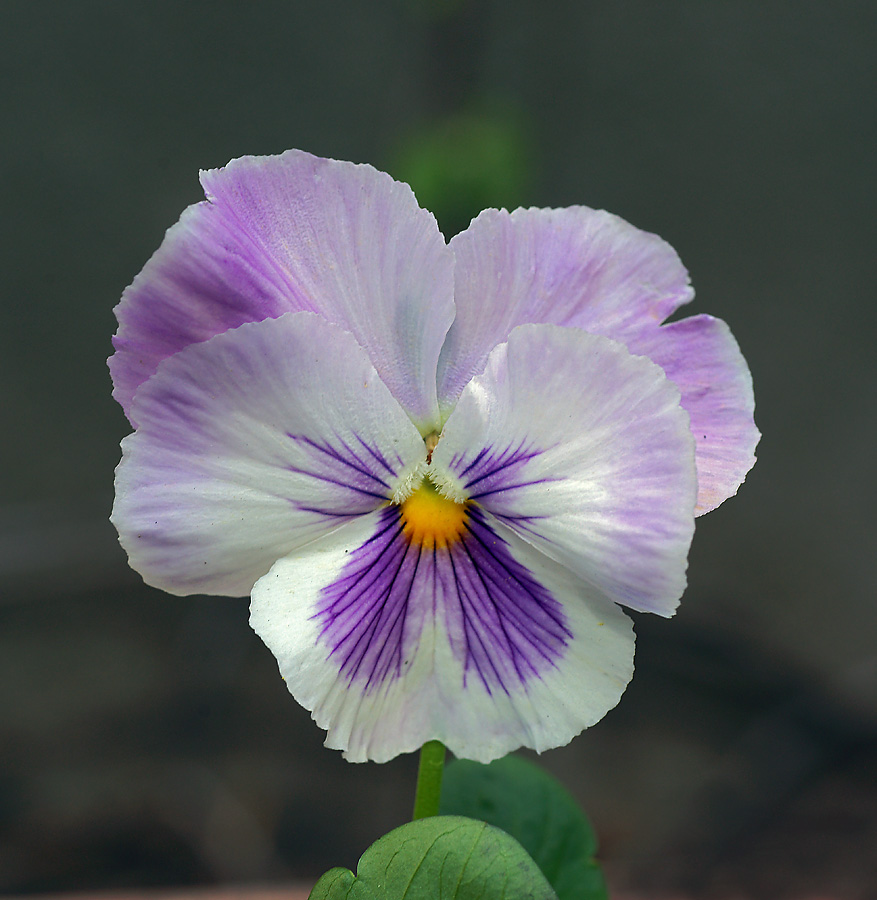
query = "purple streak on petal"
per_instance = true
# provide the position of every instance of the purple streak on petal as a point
(364, 612)
(503, 626)
(496, 471)
(512, 628)
(328, 513)
(379, 457)
(342, 461)
(336, 481)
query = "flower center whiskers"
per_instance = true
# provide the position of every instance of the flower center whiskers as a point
(430, 519)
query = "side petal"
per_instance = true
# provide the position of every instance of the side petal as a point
(289, 233)
(250, 445)
(584, 450)
(485, 645)
(576, 267)
(701, 357)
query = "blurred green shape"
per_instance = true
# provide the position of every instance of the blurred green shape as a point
(464, 163)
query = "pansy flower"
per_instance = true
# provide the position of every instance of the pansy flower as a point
(439, 469)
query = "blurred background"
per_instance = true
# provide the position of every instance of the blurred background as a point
(149, 741)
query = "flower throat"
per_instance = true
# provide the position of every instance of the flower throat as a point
(430, 519)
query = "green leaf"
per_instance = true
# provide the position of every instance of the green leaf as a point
(532, 806)
(439, 858)
(334, 885)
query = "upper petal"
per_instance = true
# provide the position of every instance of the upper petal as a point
(574, 266)
(585, 451)
(251, 444)
(588, 269)
(701, 357)
(296, 232)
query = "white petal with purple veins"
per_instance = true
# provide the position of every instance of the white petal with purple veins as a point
(583, 450)
(485, 645)
(295, 232)
(252, 444)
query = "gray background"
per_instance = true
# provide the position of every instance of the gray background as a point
(147, 740)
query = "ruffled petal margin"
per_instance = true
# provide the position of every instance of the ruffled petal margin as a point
(588, 269)
(297, 233)
(485, 645)
(252, 444)
(585, 451)
(577, 267)
(701, 357)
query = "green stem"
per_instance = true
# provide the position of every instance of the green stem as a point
(429, 779)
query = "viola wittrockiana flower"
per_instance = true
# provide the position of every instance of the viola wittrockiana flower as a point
(438, 469)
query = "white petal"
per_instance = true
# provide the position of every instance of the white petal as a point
(251, 444)
(486, 645)
(585, 451)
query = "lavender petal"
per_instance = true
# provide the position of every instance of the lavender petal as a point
(586, 269)
(297, 233)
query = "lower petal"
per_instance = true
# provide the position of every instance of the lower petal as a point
(485, 645)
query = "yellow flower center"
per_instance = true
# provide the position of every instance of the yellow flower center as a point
(430, 519)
